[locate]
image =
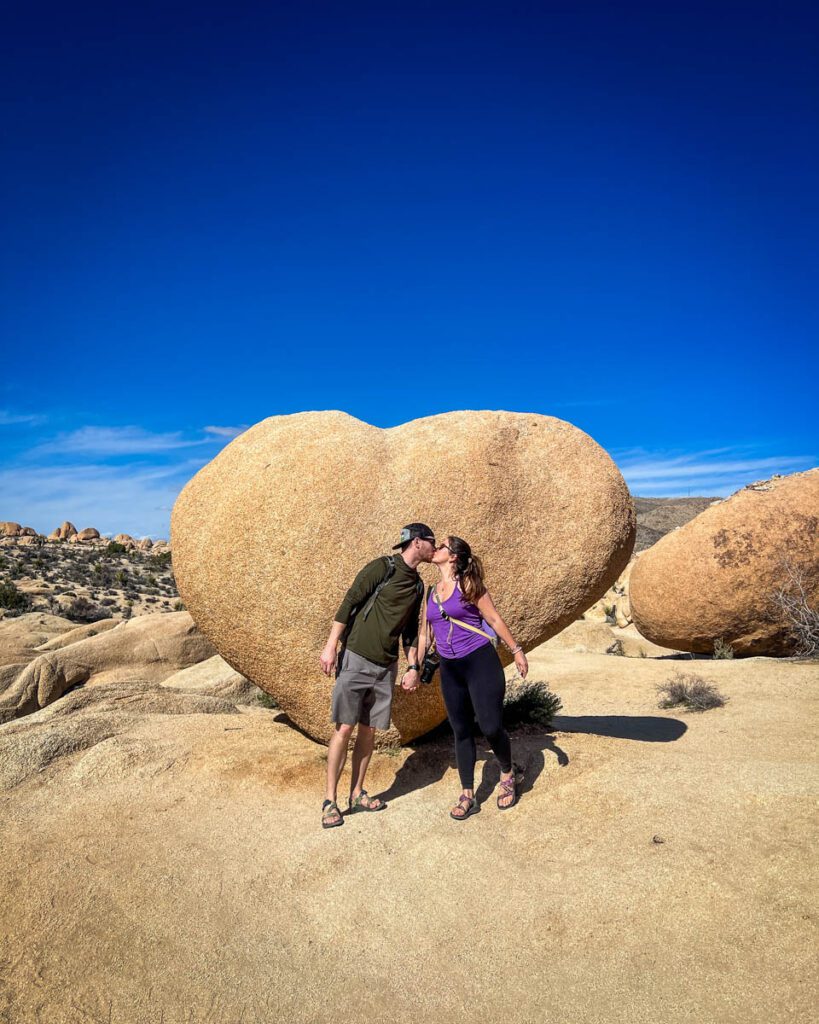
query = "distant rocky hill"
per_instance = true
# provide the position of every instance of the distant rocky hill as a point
(658, 516)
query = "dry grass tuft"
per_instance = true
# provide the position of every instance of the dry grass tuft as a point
(690, 691)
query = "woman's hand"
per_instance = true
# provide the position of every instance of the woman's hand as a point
(521, 664)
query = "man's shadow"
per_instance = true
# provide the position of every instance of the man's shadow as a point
(433, 755)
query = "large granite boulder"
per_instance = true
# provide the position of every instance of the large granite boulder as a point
(269, 535)
(717, 576)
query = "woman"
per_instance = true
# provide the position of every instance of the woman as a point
(472, 680)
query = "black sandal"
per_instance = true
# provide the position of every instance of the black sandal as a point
(329, 810)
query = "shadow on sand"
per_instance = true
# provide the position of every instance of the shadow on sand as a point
(433, 755)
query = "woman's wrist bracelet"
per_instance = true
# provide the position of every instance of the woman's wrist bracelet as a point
(514, 650)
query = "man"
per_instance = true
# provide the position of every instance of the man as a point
(384, 603)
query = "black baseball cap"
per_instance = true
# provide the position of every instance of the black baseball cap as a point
(413, 530)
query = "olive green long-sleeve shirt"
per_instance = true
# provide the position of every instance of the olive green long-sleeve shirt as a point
(394, 614)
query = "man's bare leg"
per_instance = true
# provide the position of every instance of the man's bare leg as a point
(362, 752)
(336, 756)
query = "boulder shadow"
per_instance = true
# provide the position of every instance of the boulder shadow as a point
(642, 728)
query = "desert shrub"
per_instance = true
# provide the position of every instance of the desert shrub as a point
(179, 606)
(83, 610)
(616, 648)
(722, 650)
(610, 611)
(690, 691)
(530, 703)
(267, 701)
(13, 600)
(114, 548)
(795, 610)
(162, 559)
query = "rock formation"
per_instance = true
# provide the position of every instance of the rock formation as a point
(269, 535)
(89, 533)
(716, 577)
(614, 606)
(147, 649)
(10, 529)
(63, 532)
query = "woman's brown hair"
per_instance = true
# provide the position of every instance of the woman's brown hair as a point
(468, 569)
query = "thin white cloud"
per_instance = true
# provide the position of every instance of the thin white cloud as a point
(226, 431)
(110, 441)
(716, 471)
(9, 419)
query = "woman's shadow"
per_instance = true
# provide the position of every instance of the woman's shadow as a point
(433, 755)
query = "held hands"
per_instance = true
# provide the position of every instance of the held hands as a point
(328, 659)
(409, 680)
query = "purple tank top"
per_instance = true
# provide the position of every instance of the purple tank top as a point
(454, 641)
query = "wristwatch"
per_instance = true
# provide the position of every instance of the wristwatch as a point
(413, 668)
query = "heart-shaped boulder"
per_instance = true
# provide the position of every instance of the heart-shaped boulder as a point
(268, 536)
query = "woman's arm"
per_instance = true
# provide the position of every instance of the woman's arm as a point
(486, 606)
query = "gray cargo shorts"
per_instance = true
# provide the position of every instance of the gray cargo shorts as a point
(363, 692)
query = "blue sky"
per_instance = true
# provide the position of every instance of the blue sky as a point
(213, 214)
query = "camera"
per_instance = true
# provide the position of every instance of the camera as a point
(429, 667)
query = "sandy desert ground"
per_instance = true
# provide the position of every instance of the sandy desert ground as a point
(660, 865)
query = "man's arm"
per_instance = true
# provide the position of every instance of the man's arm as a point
(328, 655)
(411, 678)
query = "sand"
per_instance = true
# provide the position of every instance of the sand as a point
(659, 867)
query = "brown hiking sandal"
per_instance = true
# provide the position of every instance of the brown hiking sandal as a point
(330, 815)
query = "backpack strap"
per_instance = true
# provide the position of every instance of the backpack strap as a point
(390, 560)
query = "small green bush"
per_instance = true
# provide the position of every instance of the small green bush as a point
(14, 601)
(115, 548)
(531, 703)
(267, 701)
(722, 650)
(162, 559)
(690, 691)
(178, 606)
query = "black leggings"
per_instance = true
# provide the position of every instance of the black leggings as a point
(473, 686)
